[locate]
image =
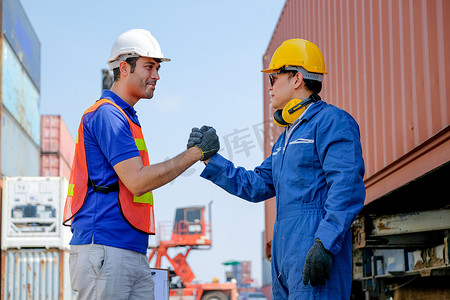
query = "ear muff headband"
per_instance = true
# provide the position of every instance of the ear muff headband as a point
(293, 110)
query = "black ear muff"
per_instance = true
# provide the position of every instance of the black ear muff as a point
(278, 118)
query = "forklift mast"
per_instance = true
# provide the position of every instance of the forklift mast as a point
(190, 230)
(190, 227)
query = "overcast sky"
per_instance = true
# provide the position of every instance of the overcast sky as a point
(214, 78)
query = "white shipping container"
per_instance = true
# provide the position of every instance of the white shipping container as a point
(36, 274)
(32, 209)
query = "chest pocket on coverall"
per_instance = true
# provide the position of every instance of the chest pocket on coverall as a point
(299, 166)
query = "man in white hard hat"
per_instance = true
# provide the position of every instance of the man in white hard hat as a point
(109, 205)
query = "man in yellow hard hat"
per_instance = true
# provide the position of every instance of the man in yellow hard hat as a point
(315, 171)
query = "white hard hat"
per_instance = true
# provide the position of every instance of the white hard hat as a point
(134, 43)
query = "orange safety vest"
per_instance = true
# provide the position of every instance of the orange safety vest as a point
(137, 211)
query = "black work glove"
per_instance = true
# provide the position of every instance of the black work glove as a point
(195, 137)
(317, 264)
(206, 140)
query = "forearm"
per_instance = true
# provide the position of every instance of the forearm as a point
(147, 178)
(160, 174)
(253, 186)
(139, 179)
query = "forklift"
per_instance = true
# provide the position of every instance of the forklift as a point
(189, 231)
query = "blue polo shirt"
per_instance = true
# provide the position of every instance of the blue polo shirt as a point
(108, 141)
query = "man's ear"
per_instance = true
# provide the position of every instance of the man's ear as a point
(298, 80)
(124, 68)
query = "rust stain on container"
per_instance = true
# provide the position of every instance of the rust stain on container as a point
(381, 226)
(35, 274)
(431, 258)
(388, 65)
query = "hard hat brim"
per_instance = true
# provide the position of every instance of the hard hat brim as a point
(268, 71)
(115, 63)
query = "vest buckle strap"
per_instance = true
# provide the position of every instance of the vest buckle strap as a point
(103, 189)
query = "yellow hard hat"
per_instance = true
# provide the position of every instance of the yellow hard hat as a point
(297, 52)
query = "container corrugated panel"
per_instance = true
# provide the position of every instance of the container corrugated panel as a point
(36, 274)
(19, 95)
(20, 156)
(56, 139)
(388, 65)
(20, 33)
(54, 165)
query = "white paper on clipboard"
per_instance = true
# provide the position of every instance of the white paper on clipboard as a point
(161, 279)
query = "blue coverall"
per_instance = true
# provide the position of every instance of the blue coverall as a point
(316, 175)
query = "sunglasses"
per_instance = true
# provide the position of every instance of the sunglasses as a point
(272, 78)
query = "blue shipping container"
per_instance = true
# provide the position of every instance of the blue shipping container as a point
(24, 41)
(20, 97)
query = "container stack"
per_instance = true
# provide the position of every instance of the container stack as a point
(242, 275)
(20, 93)
(34, 242)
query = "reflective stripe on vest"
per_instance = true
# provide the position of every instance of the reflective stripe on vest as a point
(137, 211)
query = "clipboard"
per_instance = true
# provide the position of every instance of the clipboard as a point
(161, 279)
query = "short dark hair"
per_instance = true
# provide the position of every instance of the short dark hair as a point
(131, 61)
(312, 85)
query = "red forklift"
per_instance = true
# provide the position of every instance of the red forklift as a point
(189, 231)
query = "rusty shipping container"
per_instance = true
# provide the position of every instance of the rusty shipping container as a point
(57, 147)
(388, 65)
(53, 165)
(36, 274)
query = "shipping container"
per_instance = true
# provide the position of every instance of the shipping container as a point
(32, 209)
(267, 291)
(20, 155)
(19, 32)
(388, 65)
(265, 265)
(57, 147)
(56, 138)
(54, 165)
(35, 274)
(402, 104)
(20, 97)
(242, 272)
